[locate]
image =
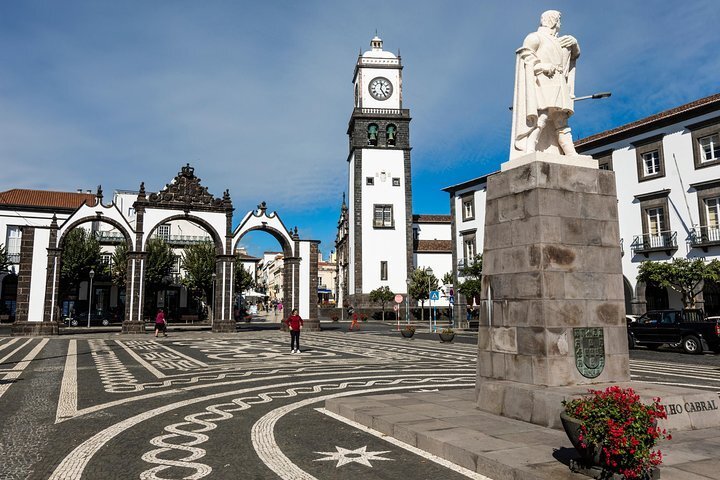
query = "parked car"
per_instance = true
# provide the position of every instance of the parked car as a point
(81, 319)
(631, 318)
(688, 328)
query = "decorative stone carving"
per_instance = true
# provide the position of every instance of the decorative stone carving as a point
(544, 90)
(186, 191)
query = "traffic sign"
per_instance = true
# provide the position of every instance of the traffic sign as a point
(396, 307)
(434, 295)
(452, 300)
(398, 298)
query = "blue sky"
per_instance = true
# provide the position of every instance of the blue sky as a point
(257, 95)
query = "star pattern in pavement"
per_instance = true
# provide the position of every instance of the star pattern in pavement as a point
(359, 455)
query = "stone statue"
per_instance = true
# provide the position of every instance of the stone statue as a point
(544, 90)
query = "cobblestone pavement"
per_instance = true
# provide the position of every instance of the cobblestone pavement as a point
(201, 405)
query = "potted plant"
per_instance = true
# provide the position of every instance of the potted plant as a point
(335, 318)
(408, 331)
(447, 335)
(615, 432)
(363, 317)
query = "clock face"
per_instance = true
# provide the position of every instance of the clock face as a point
(380, 88)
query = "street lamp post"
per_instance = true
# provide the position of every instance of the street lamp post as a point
(429, 273)
(407, 301)
(212, 302)
(92, 274)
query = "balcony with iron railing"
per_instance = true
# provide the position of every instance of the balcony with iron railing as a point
(176, 240)
(654, 242)
(109, 236)
(13, 258)
(705, 237)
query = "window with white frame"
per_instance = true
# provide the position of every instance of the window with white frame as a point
(651, 163)
(706, 142)
(163, 231)
(649, 154)
(469, 248)
(12, 243)
(709, 148)
(106, 258)
(712, 212)
(383, 216)
(383, 270)
(468, 208)
(655, 220)
(177, 264)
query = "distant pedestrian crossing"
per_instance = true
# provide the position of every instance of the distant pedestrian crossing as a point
(704, 377)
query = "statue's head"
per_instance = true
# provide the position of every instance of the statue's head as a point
(550, 19)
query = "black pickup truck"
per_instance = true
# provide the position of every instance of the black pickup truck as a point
(688, 328)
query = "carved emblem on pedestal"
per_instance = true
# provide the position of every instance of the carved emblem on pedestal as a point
(589, 351)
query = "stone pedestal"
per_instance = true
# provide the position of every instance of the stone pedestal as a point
(131, 327)
(34, 329)
(552, 317)
(553, 303)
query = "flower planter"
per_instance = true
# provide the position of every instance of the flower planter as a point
(446, 337)
(407, 333)
(589, 463)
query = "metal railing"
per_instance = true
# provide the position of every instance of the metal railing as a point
(704, 235)
(13, 257)
(651, 242)
(184, 239)
(109, 236)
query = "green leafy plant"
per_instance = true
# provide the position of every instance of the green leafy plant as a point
(447, 331)
(682, 275)
(624, 428)
(382, 295)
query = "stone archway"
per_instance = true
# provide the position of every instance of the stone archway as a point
(184, 198)
(40, 256)
(300, 263)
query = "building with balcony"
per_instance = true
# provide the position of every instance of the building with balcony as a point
(667, 170)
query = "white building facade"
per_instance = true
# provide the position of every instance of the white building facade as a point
(667, 169)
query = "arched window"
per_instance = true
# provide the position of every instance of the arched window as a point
(372, 134)
(391, 132)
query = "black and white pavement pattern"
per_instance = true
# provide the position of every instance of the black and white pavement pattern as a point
(200, 405)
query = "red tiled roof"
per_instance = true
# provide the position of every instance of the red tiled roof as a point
(433, 246)
(698, 107)
(431, 218)
(19, 197)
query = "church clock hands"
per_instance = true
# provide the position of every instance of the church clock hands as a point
(380, 88)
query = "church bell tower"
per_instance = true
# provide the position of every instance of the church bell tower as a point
(379, 216)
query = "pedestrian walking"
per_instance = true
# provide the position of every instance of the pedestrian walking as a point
(354, 324)
(160, 323)
(295, 324)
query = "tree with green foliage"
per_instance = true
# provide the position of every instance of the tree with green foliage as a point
(682, 275)
(471, 287)
(118, 267)
(199, 265)
(243, 279)
(447, 279)
(158, 271)
(80, 254)
(421, 282)
(4, 259)
(382, 295)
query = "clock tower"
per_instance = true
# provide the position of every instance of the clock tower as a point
(379, 243)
